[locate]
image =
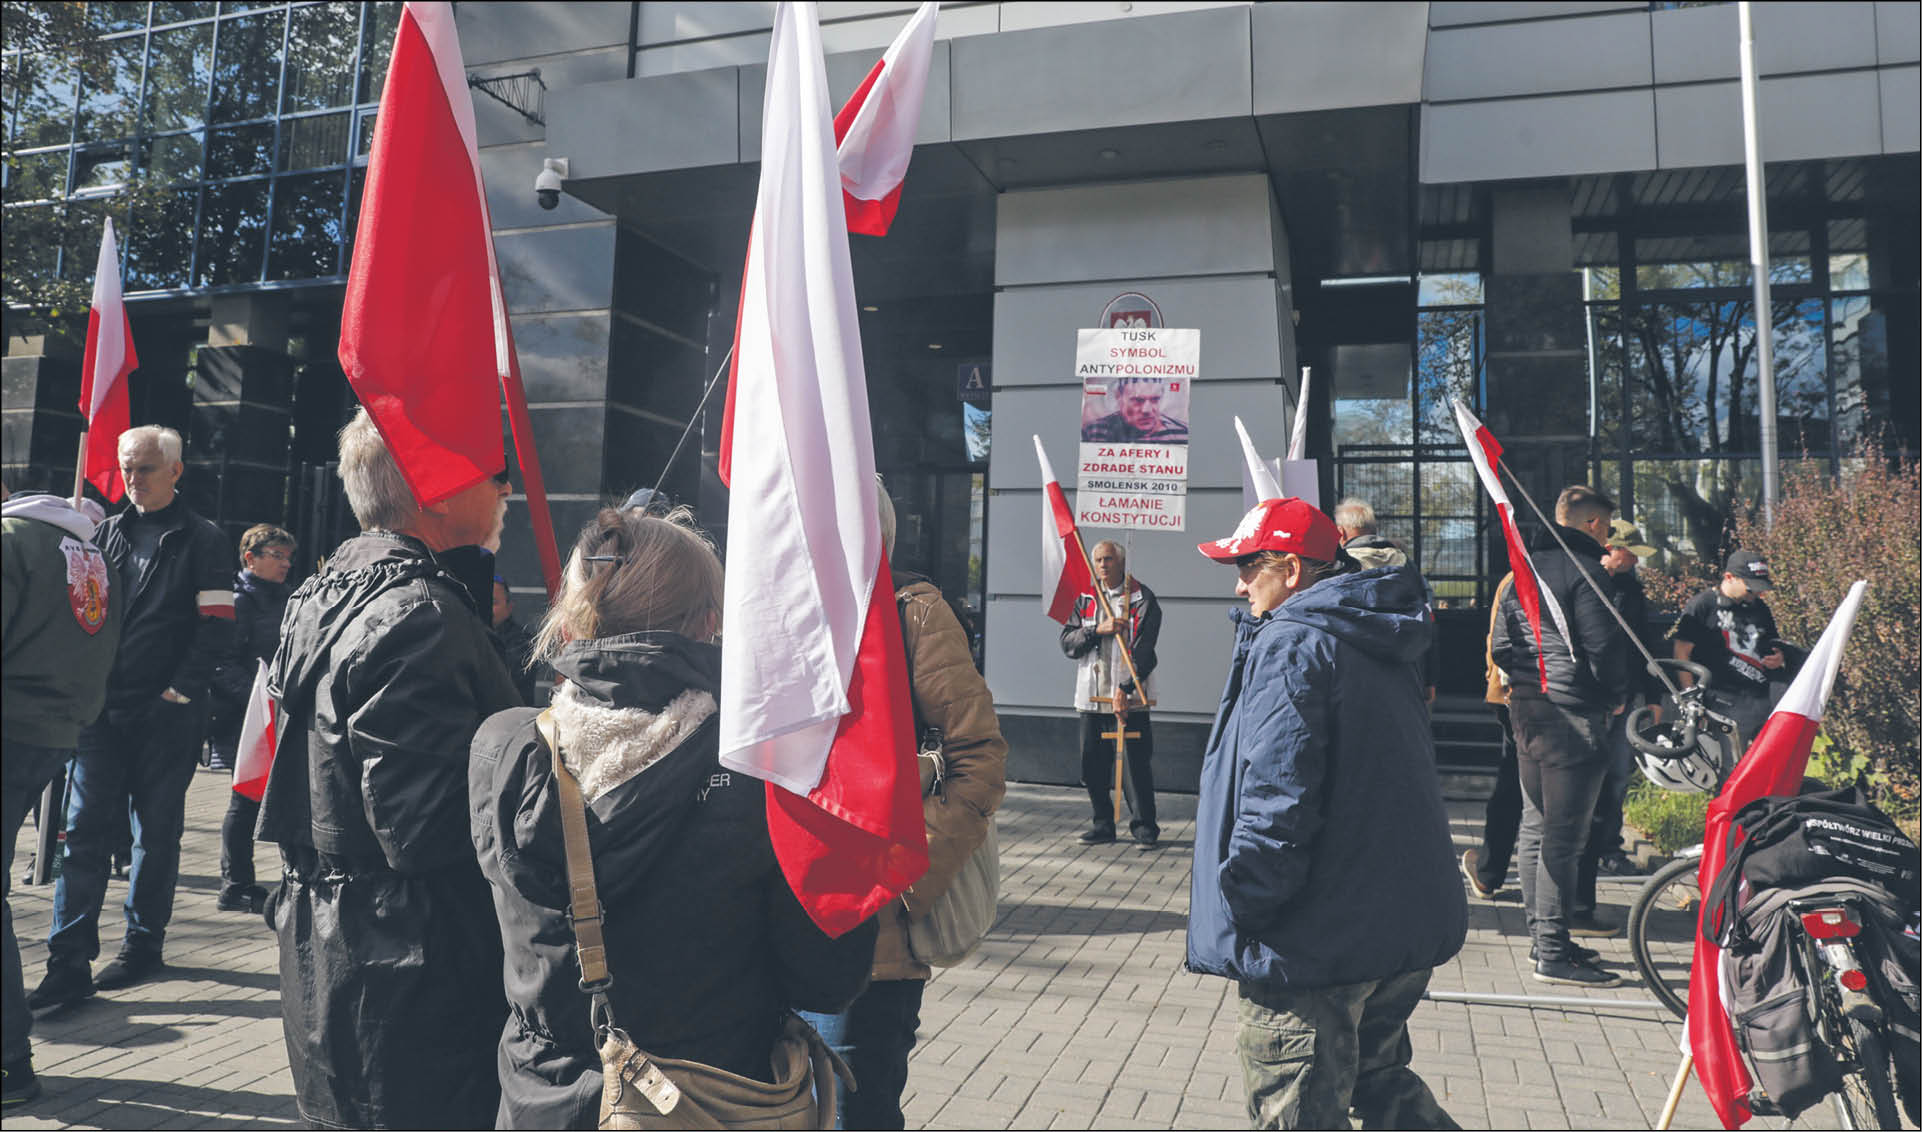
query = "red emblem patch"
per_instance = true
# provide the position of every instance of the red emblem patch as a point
(86, 583)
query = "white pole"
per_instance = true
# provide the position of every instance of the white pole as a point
(1758, 256)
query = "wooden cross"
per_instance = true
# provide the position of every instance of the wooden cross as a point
(1121, 735)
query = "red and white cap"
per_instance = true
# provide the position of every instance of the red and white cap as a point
(1288, 525)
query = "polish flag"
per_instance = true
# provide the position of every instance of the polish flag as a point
(1486, 451)
(1298, 438)
(875, 131)
(423, 333)
(1258, 480)
(103, 373)
(814, 688)
(1773, 766)
(1064, 568)
(258, 729)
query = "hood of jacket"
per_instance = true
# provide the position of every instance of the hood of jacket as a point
(1382, 612)
(625, 717)
(361, 569)
(1375, 550)
(50, 509)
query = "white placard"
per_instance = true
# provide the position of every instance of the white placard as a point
(1136, 385)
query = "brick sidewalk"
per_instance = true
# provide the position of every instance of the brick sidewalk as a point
(1075, 1013)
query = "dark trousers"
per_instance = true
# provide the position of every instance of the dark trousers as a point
(131, 764)
(1561, 763)
(1503, 818)
(874, 1035)
(1097, 771)
(1605, 829)
(237, 842)
(1309, 1056)
(27, 768)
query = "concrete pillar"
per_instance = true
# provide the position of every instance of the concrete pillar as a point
(1211, 252)
(1537, 342)
(238, 429)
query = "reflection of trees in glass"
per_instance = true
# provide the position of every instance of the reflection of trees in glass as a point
(233, 224)
(1693, 389)
(247, 67)
(977, 429)
(320, 57)
(108, 98)
(306, 231)
(179, 66)
(1447, 365)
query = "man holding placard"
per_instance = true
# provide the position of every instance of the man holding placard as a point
(1112, 632)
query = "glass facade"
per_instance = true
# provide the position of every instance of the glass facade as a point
(1672, 375)
(245, 125)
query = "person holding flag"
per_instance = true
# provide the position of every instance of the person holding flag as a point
(260, 599)
(1115, 615)
(1564, 685)
(141, 753)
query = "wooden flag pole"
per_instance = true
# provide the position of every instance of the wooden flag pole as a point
(80, 471)
(1675, 1091)
(530, 464)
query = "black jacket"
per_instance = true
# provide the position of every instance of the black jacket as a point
(706, 944)
(1632, 600)
(1596, 676)
(389, 956)
(179, 616)
(258, 607)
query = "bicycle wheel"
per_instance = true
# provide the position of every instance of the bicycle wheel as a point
(1661, 931)
(1867, 1097)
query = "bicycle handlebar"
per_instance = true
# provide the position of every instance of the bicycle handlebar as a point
(1688, 711)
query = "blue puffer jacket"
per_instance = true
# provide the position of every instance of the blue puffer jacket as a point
(1322, 854)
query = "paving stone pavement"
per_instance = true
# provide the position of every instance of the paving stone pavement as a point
(1074, 1013)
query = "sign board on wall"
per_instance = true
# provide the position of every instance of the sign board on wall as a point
(1136, 385)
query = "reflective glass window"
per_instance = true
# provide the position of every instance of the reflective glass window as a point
(233, 229)
(99, 167)
(110, 90)
(321, 41)
(174, 157)
(1448, 360)
(240, 150)
(179, 63)
(229, 7)
(247, 67)
(46, 103)
(1371, 403)
(306, 234)
(376, 47)
(160, 243)
(1692, 374)
(107, 18)
(81, 241)
(308, 143)
(364, 142)
(1605, 368)
(1860, 337)
(1679, 263)
(1450, 496)
(32, 243)
(1389, 485)
(37, 176)
(1449, 289)
(1849, 271)
(168, 13)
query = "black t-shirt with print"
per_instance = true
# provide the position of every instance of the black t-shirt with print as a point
(1730, 639)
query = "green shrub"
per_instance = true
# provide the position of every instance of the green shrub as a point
(1671, 819)
(1829, 531)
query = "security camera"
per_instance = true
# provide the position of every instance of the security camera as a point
(547, 186)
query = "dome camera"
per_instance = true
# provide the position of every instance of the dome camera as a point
(547, 186)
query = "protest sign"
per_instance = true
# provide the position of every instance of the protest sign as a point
(1135, 390)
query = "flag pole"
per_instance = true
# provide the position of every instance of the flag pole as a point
(1608, 603)
(522, 426)
(688, 431)
(1675, 1091)
(80, 470)
(1758, 257)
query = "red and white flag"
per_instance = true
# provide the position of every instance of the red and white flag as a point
(814, 688)
(1298, 436)
(1258, 480)
(1773, 766)
(874, 132)
(1064, 571)
(258, 729)
(1486, 451)
(104, 412)
(423, 333)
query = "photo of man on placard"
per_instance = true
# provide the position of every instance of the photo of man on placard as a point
(1135, 410)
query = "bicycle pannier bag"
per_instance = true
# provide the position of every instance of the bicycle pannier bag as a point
(1771, 1009)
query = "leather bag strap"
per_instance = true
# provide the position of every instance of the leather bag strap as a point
(584, 909)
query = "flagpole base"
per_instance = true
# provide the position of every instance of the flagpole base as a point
(1675, 1091)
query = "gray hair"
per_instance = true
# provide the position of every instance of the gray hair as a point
(1111, 544)
(885, 506)
(1356, 515)
(160, 436)
(376, 490)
